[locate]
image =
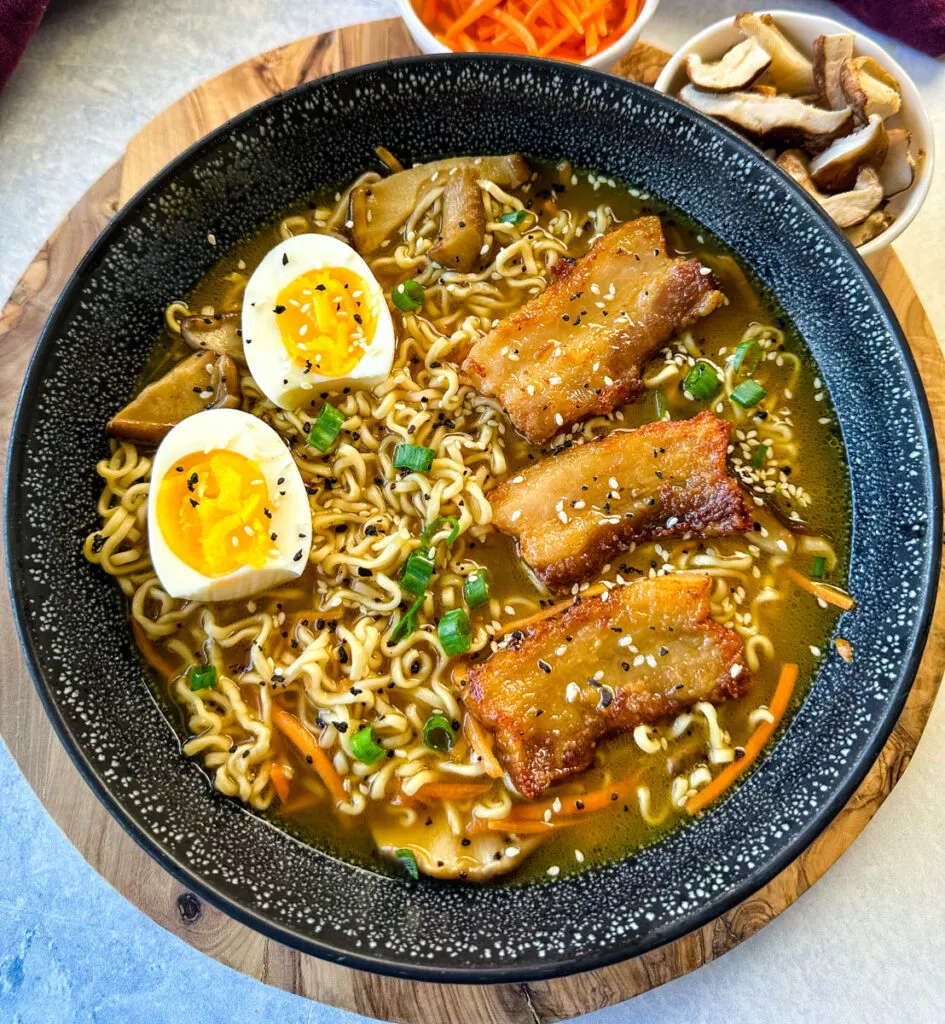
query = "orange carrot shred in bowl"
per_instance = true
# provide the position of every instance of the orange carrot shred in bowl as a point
(563, 29)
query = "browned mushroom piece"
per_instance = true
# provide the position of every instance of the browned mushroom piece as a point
(778, 120)
(736, 70)
(846, 209)
(379, 209)
(898, 169)
(463, 225)
(790, 70)
(869, 89)
(202, 381)
(835, 169)
(874, 225)
(217, 332)
(829, 54)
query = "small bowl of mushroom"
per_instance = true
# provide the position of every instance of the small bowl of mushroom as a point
(828, 105)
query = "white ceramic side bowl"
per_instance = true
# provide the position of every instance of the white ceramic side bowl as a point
(802, 29)
(603, 60)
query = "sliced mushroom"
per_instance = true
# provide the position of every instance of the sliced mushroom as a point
(218, 332)
(379, 209)
(845, 208)
(779, 120)
(829, 54)
(764, 90)
(463, 225)
(736, 70)
(441, 853)
(836, 168)
(790, 70)
(202, 381)
(869, 89)
(898, 169)
(874, 225)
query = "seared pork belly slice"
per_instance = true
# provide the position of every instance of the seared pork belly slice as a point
(574, 511)
(634, 655)
(578, 348)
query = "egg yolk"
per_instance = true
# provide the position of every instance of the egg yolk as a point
(213, 510)
(325, 320)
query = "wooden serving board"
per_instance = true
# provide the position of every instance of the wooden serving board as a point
(116, 857)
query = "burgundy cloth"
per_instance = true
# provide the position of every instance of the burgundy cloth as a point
(18, 21)
(920, 23)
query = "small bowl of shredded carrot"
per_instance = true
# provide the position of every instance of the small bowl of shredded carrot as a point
(592, 32)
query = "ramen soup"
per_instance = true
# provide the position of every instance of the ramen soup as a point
(481, 519)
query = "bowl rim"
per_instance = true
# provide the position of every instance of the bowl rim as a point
(204, 887)
(919, 189)
(598, 61)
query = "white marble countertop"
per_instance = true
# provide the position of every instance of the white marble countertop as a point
(867, 943)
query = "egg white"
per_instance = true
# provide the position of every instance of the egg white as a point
(291, 521)
(279, 377)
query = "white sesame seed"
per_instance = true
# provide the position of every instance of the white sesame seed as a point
(554, 871)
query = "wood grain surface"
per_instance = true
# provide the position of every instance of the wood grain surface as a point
(132, 872)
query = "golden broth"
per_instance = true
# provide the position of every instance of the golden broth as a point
(799, 629)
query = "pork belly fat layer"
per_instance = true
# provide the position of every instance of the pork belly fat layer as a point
(574, 511)
(636, 655)
(578, 349)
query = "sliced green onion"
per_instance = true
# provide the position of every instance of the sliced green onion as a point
(408, 624)
(746, 357)
(453, 631)
(412, 456)
(408, 296)
(326, 428)
(515, 217)
(409, 862)
(365, 748)
(417, 572)
(202, 677)
(660, 405)
(437, 523)
(439, 734)
(758, 459)
(748, 393)
(476, 589)
(818, 568)
(702, 382)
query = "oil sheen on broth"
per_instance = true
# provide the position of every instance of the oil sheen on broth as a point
(807, 486)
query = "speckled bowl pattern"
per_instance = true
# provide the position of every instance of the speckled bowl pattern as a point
(72, 620)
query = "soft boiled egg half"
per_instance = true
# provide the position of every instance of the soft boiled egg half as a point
(228, 515)
(313, 313)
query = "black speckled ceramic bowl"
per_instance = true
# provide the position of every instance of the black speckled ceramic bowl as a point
(71, 617)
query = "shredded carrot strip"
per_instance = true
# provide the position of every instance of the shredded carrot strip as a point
(514, 25)
(754, 746)
(521, 826)
(451, 790)
(152, 654)
(556, 41)
(479, 741)
(476, 11)
(546, 613)
(577, 803)
(569, 16)
(308, 746)
(535, 10)
(822, 590)
(303, 802)
(280, 781)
